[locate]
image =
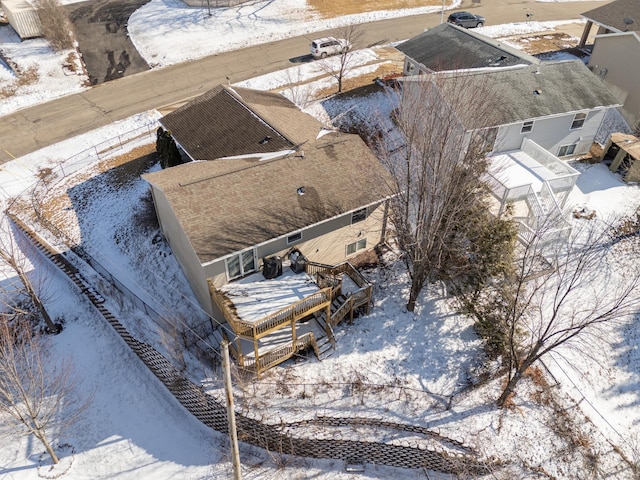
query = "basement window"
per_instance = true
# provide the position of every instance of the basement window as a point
(566, 150)
(356, 246)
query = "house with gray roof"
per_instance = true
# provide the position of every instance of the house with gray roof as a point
(542, 114)
(449, 47)
(267, 180)
(614, 17)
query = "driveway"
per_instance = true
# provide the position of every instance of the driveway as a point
(101, 31)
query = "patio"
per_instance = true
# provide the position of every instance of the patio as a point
(533, 182)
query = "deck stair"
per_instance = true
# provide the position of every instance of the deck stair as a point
(325, 348)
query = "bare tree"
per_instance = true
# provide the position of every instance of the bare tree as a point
(14, 258)
(56, 26)
(35, 395)
(560, 294)
(340, 66)
(439, 205)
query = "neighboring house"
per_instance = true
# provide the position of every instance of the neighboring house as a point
(613, 17)
(541, 113)
(23, 17)
(267, 178)
(449, 47)
(616, 60)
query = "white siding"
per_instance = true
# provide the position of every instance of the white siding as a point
(552, 132)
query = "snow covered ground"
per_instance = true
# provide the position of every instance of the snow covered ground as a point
(411, 364)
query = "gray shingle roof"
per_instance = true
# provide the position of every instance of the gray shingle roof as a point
(449, 47)
(225, 206)
(562, 87)
(612, 15)
(227, 122)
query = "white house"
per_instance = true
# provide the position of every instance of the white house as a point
(540, 114)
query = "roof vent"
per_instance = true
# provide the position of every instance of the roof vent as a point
(265, 140)
(301, 190)
(628, 21)
(537, 91)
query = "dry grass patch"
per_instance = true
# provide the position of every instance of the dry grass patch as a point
(55, 207)
(548, 42)
(24, 78)
(331, 8)
(383, 70)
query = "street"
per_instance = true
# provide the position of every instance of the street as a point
(36, 127)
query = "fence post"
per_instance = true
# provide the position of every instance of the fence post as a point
(231, 414)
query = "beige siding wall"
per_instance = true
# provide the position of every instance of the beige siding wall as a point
(616, 59)
(182, 249)
(323, 243)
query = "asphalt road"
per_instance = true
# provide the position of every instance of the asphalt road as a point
(33, 128)
(101, 30)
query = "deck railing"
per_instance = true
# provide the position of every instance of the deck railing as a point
(329, 278)
(295, 311)
(278, 355)
(271, 322)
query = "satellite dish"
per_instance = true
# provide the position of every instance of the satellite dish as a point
(628, 21)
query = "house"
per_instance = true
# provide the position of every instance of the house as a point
(613, 17)
(266, 179)
(615, 59)
(449, 47)
(541, 114)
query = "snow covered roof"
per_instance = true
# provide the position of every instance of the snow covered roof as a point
(449, 47)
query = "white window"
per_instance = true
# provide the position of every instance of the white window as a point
(294, 238)
(356, 246)
(527, 127)
(240, 264)
(359, 215)
(566, 150)
(578, 121)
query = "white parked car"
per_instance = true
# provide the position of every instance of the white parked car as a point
(326, 46)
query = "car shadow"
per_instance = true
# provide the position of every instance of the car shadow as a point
(302, 59)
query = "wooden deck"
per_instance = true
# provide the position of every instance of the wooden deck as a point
(307, 323)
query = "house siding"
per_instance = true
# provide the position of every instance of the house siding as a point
(323, 243)
(182, 249)
(616, 59)
(552, 133)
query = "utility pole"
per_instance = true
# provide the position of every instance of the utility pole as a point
(442, 13)
(231, 414)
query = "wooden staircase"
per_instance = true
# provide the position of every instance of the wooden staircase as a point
(327, 344)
